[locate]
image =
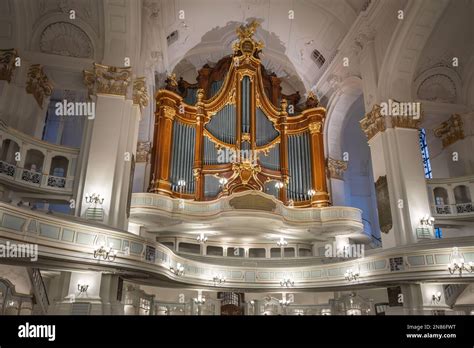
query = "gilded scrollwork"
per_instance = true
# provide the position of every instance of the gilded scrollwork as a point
(373, 122)
(451, 130)
(38, 84)
(140, 92)
(7, 64)
(336, 168)
(143, 151)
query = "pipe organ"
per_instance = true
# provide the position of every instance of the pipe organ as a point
(232, 131)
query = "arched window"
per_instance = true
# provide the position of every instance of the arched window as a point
(59, 166)
(8, 151)
(441, 196)
(34, 160)
(462, 194)
(425, 155)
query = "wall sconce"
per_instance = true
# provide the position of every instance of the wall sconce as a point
(199, 301)
(82, 288)
(223, 181)
(351, 275)
(311, 193)
(427, 221)
(94, 199)
(218, 279)
(287, 283)
(179, 270)
(436, 298)
(282, 242)
(284, 302)
(457, 263)
(202, 238)
(107, 255)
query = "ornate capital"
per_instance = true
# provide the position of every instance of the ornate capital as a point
(336, 168)
(373, 122)
(140, 92)
(451, 130)
(143, 151)
(405, 122)
(107, 79)
(7, 64)
(38, 84)
(315, 127)
(169, 112)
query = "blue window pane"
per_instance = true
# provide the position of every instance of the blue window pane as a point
(425, 154)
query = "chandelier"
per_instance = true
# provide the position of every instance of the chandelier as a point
(199, 301)
(284, 302)
(106, 254)
(457, 263)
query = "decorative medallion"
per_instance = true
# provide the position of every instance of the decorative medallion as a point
(140, 92)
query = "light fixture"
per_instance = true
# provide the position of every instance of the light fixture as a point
(351, 275)
(457, 263)
(199, 301)
(178, 270)
(218, 279)
(202, 238)
(82, 288)
(223, 181)
(311, 192)
(282, 242)
(427, 221)
(278, 185)
(436, 298)
(284, 302)
(287, 282)
(181, 185)
(94, 199)
(106, 254)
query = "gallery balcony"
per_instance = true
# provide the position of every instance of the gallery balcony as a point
(30, 164)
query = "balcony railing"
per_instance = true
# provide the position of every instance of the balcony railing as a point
(31, 162)
(451, 197)
(27, 177)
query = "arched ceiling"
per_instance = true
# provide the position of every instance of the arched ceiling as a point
(206, 35)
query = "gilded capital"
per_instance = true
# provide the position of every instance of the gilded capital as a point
(140, 92)
(451, 130)
(7, 64)
(169, 112)
(373, 122)
(315, 127)
(336, 168)
(38, 84)
(107, 79)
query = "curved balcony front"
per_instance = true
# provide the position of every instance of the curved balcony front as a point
(63, 242)
(34, 165)
(251, 216)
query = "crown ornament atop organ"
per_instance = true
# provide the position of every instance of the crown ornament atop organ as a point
(234, 130)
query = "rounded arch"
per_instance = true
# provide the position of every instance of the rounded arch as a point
(441, 196)
(59, 166)
(8, 151)
(405, 48)
(438, 84)
(348, 93)
(34, 160)
(462, 194)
